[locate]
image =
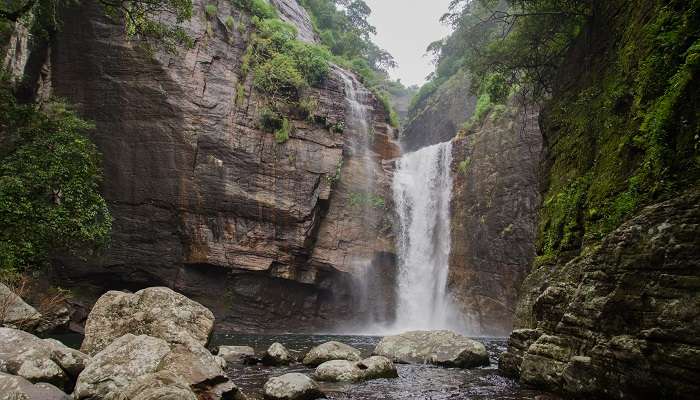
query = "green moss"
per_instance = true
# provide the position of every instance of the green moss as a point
(282, 134)
(627, 135)
(365, 199)
(210, 10)
(464, 165)
(230, 22)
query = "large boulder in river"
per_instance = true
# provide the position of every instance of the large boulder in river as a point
(236, 353)
(157, 312)
(294, 386)
(13, 387)
(444, 348)
(15, 313)
(277, 354)
(331, 351)
(375, 367)
(39, 360)
(115, 369)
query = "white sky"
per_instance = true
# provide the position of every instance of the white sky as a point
(405, 28)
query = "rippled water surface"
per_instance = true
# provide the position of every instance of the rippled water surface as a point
(414, 382)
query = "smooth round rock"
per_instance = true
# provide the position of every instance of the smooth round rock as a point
(331, 351)
(277, 354)
(293, 386)
(444, 348)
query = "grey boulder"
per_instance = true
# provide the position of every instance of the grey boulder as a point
(331, 351)
(162, 385)
(13, 387)
(121, 366)
(277, 354)
(236, 353)
(293, 386)
(444, 348)
(375, 367)
(39, 360)
(15, 313)
(157, 312)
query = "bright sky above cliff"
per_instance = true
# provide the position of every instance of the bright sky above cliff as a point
(405, 28)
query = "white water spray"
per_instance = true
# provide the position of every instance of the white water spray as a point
(422, 192)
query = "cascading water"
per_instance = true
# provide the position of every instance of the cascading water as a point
(422, 192)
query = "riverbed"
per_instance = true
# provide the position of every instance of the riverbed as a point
(414, 382)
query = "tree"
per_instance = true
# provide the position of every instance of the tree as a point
(139, 16)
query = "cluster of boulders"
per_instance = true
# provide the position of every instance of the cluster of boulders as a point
(140, 346)
(150, 345)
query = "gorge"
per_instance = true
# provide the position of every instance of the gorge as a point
(539, 194)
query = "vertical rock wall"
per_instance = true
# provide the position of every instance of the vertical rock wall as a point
(203, 200)
(494, 216)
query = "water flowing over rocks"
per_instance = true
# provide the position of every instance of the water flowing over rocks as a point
(620, 320)
(375, 367)
(14, 387)
(206, 202)
(443, 348)
(331, 351)
(158, 312)
(422, 193)
(39, 360)
(293, 386)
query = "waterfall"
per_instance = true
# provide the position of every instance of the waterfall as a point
(422, 191)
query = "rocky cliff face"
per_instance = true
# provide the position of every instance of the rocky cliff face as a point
(203, 200)
(610, 308)
(439, 117)
(621, 320)
(494, 215)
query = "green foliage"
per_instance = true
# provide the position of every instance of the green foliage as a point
(258, 8)
(338, 173)
(282, 134)
(346, 32)
(49, 176)
(270, 120)
(464, 165)
(284, 66)
(142, 18)
(230, 22)
(211, 10)
(625, 135)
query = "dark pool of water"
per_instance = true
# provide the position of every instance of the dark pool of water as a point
(414, 382)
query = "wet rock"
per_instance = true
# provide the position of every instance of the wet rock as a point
(15, 313)
(331, 351)
(294, 386)
(14, 387)
(157, 312)
(621, 319)
(236, 353)
(39, 360)
(117, 367)
(158, 386)
(444, 348)
(375, 367)
(518, 343)
(276, 354)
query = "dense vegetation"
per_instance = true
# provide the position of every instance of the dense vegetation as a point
(622, 135)
(49, 175)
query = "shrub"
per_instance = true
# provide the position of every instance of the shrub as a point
(230, 22)
(279, 78)
(210, 10)
(270, 120)
(258, 8)
(282, 134)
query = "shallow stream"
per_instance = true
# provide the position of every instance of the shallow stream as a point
(414, 382)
